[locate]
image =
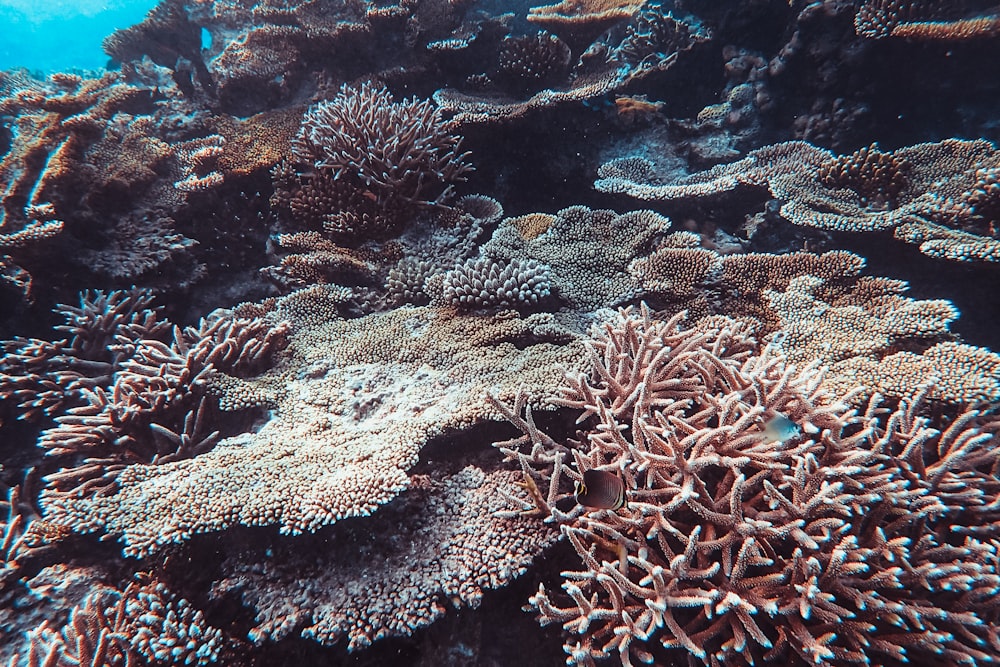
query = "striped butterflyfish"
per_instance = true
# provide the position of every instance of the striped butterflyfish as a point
(601, 490)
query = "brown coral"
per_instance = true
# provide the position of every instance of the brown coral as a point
(583, 19)
(920, 21)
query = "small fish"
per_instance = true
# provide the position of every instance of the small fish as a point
(780, 428)
(601, 490)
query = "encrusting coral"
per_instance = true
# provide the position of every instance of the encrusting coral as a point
(852, 536)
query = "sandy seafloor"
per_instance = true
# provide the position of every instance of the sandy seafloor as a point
(312, 313)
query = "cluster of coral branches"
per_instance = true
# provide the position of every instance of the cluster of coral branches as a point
(860, 535)
(810, 468)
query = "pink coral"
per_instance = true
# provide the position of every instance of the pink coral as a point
(852, 537)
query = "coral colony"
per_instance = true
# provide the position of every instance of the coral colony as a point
(633, 332)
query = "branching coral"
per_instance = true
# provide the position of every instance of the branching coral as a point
(483, 283)
(392, 152)
(852, 537)
(145, 624)
(127, 386)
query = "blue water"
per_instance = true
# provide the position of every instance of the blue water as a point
(60, 35)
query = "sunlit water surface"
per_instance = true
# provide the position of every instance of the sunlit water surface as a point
(62, 35)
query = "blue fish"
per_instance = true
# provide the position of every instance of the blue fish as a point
(780, 428)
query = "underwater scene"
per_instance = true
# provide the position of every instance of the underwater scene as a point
(460, 332)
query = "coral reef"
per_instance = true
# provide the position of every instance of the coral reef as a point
(260, 434)
(862, 534)
(451, 545)
(931, 193)
(126, 386)
(377, 389)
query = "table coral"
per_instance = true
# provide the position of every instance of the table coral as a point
(587, 251)
(652, 42)
(916, 189)
(920, 21)
(449, 547)
(588, 16)
(355, 402)
(856, 538)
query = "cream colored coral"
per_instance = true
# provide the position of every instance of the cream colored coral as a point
(356, 400)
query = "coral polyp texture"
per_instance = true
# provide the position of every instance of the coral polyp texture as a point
(932, 194)
(924, 21)
(355, 403)
(276, 277)
(854, 535)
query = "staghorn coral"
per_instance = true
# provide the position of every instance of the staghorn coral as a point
(858, 538)
(43, 377)
(394, 152)
(916, 189)
(449, 546)
(355, 402)
(24, 535)
(39, 596)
